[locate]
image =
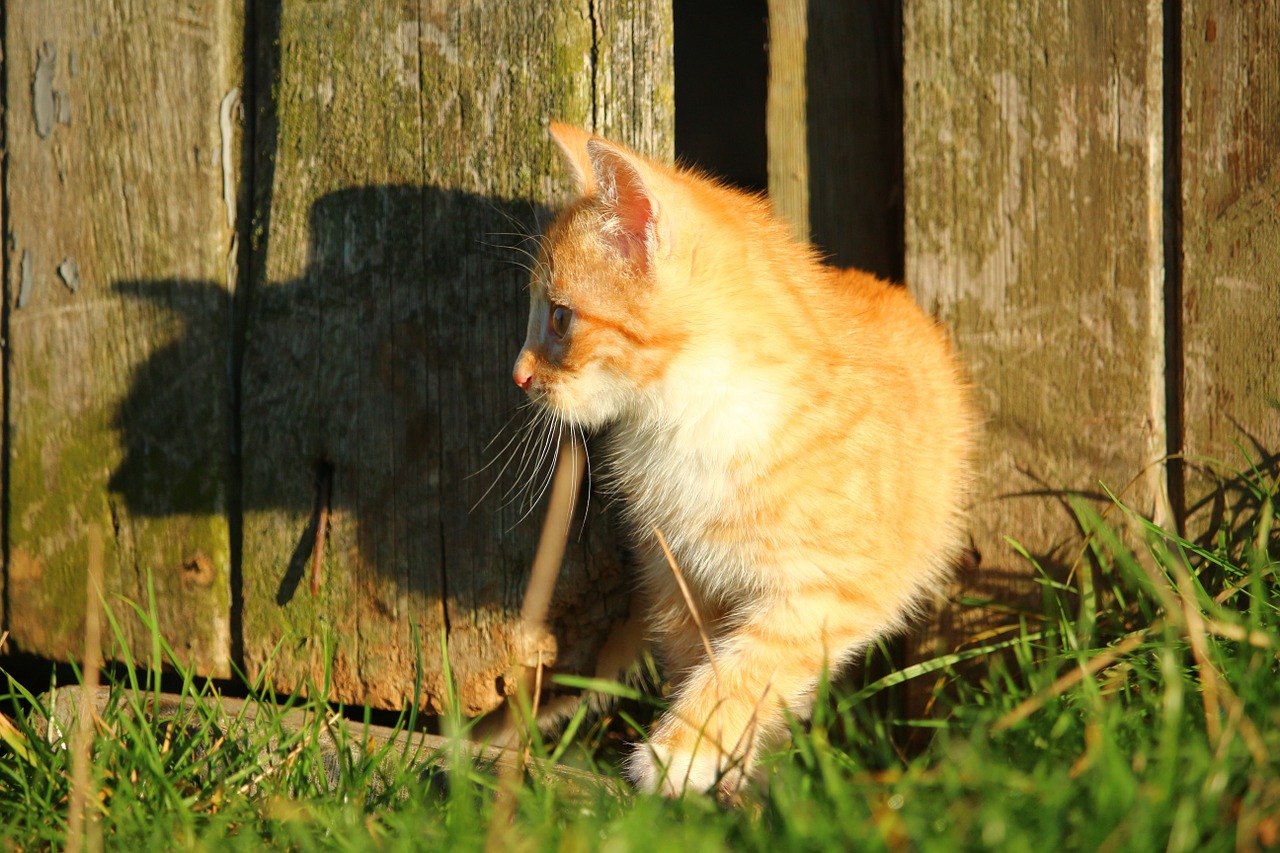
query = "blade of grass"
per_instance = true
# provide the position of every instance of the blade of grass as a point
(599, 685)
(907, 673)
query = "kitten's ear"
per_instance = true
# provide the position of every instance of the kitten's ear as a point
(573, 144)
(627, 187)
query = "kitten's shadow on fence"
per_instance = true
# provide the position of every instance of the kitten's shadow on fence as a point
(366, 389)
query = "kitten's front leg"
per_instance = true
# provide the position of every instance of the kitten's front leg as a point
(711, 735)
(726, 711)
(673, 632)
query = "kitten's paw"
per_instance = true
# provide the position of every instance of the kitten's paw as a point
(656, 769)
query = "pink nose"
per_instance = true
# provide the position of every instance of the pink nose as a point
(522, 375)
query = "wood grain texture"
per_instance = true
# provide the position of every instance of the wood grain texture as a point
(1231, 244)
(785, 119)
(409, 153)
(117, 247)
(1033, 231)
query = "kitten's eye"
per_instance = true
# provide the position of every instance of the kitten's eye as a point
(560, 319)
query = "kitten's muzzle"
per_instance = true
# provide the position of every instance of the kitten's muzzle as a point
(522, 373)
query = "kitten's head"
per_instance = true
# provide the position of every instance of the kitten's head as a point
(593, 344)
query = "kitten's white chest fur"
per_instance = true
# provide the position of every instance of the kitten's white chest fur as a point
(676, 470)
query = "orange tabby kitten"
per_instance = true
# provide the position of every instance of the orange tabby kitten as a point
(799, 435)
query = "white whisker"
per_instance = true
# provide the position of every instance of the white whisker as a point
(496, 436)
(520, 436)
(527, 458)
(586, 480)
(575, 483)
(554, 445)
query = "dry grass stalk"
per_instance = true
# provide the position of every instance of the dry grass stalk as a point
(688, 600)
(84, 833)
(1197, 636)
(1062, 685)
(566, 481)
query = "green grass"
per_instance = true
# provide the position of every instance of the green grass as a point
(1138, 709)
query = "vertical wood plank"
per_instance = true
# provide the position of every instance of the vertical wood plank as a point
(411, 154)
(118, 250)
(785, 115)
(1033, 231)
(1230, 198)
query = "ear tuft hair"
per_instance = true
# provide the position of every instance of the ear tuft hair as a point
(631, 202)
(573, 144)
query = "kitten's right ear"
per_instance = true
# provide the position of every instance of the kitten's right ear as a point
(573, 144)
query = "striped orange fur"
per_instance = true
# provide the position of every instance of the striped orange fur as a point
(800, 435)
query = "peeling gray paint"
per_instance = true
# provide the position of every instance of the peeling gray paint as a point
(42, 105)
(63, 103)
(70, 274)
(26, 279)
(226, 113)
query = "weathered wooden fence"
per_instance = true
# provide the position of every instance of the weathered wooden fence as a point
(254, 314)
(1091, 197)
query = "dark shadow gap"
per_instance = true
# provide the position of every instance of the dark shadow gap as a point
(253, 231)
(853, 117)
(722, 77)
